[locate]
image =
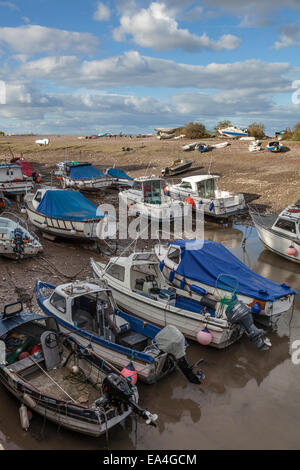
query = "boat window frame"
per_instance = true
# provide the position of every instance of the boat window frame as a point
(287, 221)
(60, 309)
(122, 270)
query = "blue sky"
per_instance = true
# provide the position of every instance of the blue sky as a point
(130, 66)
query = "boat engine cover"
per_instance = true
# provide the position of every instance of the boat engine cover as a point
(171, 341)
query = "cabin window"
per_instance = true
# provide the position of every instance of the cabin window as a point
(206, 189)
(38, 197)
(117, 271)
(58, 302)
(137, 186)
(287, 225)
(174, 255)
(152, 192)
(186, 185)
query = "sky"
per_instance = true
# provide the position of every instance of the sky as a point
(89, 66)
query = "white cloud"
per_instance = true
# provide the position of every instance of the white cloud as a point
(34, 39)
(289, 36)
(157, 28)
(102, 13)
(10, 5)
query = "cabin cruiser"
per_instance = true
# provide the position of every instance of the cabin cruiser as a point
(148, 199)
(12, 180)
(280, 233)
(140, 287)
(196, 266)
(202, 193)
(35, 360)
(88, 310)
(82, 176)
(233, 132)
(15, 240)
(65, 213)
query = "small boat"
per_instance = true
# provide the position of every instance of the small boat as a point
(275, 146)
(177, 167)
(280, 233)
(65, 213)
(82, 176)
(202, 193)
(88, 311)
(12, 180)
(233, 132)
(201, 263)
(58, 378)
(220, 145)
(15, 240)
(27, 169)
(255, 146)
(140, 287)
(163, 136)
(42, 141)
(147, 199)
(202, 147)
(189, 147)
(120, 178)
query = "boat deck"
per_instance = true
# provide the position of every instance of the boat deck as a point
(265, 221)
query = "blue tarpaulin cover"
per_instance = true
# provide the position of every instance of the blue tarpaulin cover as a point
(68, 205)
(116, 173)
(213, 259)
(83, 172)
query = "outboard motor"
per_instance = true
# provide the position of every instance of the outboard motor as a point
(118, 391)
(19, 242)
(172, 341)
(238, 313)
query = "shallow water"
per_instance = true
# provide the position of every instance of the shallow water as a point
(249, 399)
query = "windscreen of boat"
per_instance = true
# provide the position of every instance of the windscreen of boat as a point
(206, 189)
(286, 225)
(152, 192)
(141, 272)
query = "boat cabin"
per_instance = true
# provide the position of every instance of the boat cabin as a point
(150, 190)
(288, 222)
(10, 173)
(203, 186)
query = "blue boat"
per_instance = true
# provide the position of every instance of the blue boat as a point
(120, 178)
(82, 176)
(88, 312)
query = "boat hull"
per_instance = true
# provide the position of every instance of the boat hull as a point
(156, 212)
(87, 185)
(276, 243)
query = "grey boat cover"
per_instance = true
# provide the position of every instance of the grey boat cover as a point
(171, 341)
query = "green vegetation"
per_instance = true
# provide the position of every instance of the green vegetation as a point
(195, 130)
(256, 130)
(222, 125)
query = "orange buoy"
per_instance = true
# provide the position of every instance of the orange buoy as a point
(130, 373)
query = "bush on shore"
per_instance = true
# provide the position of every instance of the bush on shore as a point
(194, 130)
(256, 130)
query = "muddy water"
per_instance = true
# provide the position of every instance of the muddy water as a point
(249, 399)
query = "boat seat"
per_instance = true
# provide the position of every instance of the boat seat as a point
(121, 325)
(133, 340)
(26, 365)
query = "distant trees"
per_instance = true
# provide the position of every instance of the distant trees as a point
(256, 130)
(296, 133)
(222, 125)
(195, 130)
(292, 134)
(2, 133)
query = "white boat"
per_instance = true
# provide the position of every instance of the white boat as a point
(195, 266)
(65, 213)
(176, 167)
(42, 142)
(148, 199)
(139, 287)
(280, 233)
(12, 180)
(189, 147)
(220, 145)
(15, 240)
(87, 310)
(233, 132)
(202, 147)
(82, 176)
(255, 146)
(202, 193)
(165, 136)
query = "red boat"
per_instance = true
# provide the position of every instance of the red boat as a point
(27, 169)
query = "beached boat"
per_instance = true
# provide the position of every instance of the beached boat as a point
(44, 369)
(82, 176)
(148, 199)
(201, 263)
(177, 167)
(275, 146)
(88, 310)
(12, 180)
(202, 147)
(27, 169)
(15, 240)
(119, 177)
(233, 132)
(65, 213)
(140, 287)
(280, 233)
(220, 145)
(255, 146)
(202, 193)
